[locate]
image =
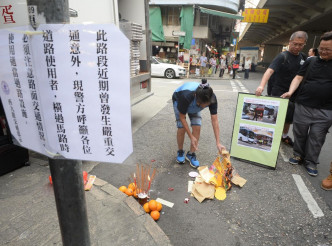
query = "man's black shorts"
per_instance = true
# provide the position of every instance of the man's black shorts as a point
(290, 112)
(291, 105)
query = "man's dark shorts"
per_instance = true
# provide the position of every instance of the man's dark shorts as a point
(291, 106)
(290, 112)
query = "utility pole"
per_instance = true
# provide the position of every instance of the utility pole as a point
(66, 174)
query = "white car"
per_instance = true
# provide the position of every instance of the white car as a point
(161, 69)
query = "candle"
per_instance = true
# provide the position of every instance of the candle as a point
(135, 179)
(149, 182)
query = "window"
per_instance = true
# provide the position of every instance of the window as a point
(171, 16)
(204, 19)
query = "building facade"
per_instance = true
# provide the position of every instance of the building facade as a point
(212, 28)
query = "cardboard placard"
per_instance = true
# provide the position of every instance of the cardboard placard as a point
(258, 126)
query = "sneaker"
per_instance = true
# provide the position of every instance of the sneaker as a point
(295, 160)
(311, 169)
(288, 141)
(327, 183)
(180, 157)
(192, 160)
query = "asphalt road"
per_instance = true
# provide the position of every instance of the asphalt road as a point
(268, 210)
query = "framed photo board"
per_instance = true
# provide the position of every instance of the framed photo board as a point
(257, 131)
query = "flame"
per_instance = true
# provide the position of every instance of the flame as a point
(149, 177)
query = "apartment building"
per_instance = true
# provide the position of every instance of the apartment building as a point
(184, 27)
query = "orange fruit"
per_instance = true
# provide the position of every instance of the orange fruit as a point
(132, 186)
(146, 207)
(129, 192)
(155, 215)
(153, 205)
(135, 194)
(123, 189)
(159, 206)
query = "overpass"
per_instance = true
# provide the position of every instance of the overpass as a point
(286, 17)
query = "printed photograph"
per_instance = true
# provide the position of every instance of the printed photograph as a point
(260, 110)
(255, 137)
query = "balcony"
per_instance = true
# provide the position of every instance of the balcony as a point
(230, 6)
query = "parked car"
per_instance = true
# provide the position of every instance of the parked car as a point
(162, 69)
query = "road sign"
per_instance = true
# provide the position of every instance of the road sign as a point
(179, 33)
(255, 15)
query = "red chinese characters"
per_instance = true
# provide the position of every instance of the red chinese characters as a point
(7, 14)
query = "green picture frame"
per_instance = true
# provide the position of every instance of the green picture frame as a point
(257, 131)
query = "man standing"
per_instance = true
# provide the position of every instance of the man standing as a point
(222, 66)
(203, 61)
(247, 67)
(235, 66)
(313, 111)
(284, 67)
(213, 63)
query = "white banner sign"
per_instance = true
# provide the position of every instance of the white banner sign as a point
(67, 91)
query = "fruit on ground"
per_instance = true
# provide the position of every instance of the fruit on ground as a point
(153, 205)
(123, 189)
(129, 192)
(159, 206)
(132, 186)
(146, 207)
(155, 215)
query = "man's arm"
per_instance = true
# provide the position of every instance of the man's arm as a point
(215, 126)
(294, 85)
(193, 140)
(267, 75)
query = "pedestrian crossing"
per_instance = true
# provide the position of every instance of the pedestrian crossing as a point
(242, 87)
(236, 86)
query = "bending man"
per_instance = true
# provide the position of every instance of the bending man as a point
(191, 98)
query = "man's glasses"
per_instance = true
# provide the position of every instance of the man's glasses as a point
(298, 44)
(320, 50)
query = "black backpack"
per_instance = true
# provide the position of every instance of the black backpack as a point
(272, 78)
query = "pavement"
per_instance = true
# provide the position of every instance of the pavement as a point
(28, 212)
(268, 210)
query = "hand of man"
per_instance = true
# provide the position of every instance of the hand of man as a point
(220, 147)
(286, 95)
(259, 91)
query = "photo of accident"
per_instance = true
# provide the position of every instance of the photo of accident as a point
(255, 137)
(260, 110)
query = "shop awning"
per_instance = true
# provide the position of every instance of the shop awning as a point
(187, 23)
(156, 24)
(220, 13)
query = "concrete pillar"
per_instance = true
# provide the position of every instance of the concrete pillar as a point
(270, 51)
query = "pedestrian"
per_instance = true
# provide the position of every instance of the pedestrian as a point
(327, 183)
(213, 63)
(312, 52)
(235, 66)
(203, 60)
(313, 110)
(191, 98)
(247, 67)
(218, 61)
(284, 68)
(222, 66)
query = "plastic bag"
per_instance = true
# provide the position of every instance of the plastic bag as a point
(210, 71)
